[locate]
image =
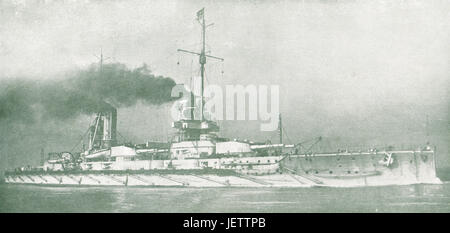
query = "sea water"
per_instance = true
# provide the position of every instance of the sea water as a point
(408, 198)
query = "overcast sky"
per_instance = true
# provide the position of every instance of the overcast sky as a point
(349, 70)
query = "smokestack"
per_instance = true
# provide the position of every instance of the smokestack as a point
(110, 128)
(91, 137)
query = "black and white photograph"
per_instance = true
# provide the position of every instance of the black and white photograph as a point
(246, 106)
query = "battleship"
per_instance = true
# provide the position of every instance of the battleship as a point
(198, 157)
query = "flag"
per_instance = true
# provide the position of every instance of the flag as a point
(200, 14)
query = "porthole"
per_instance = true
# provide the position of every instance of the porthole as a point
(349, 172)
(306, 172)
(339, 165)
(317, 172)
(259, 161)
(356, 172)
(331, 172)
(268, 160)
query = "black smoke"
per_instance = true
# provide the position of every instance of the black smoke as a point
(82, 92)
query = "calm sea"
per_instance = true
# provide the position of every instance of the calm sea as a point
(411, 198)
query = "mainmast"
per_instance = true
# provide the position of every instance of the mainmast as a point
(202, 60)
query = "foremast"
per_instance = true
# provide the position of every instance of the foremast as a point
(200, 129)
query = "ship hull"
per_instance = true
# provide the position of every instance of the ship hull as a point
(333, 170)
(365, 169)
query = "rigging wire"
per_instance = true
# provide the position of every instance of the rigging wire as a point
(84, 135)
(287, 136)
(81, 140)
(123, 138)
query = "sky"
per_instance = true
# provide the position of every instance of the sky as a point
(354, 72)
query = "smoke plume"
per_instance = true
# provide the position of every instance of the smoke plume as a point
(83, 92)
